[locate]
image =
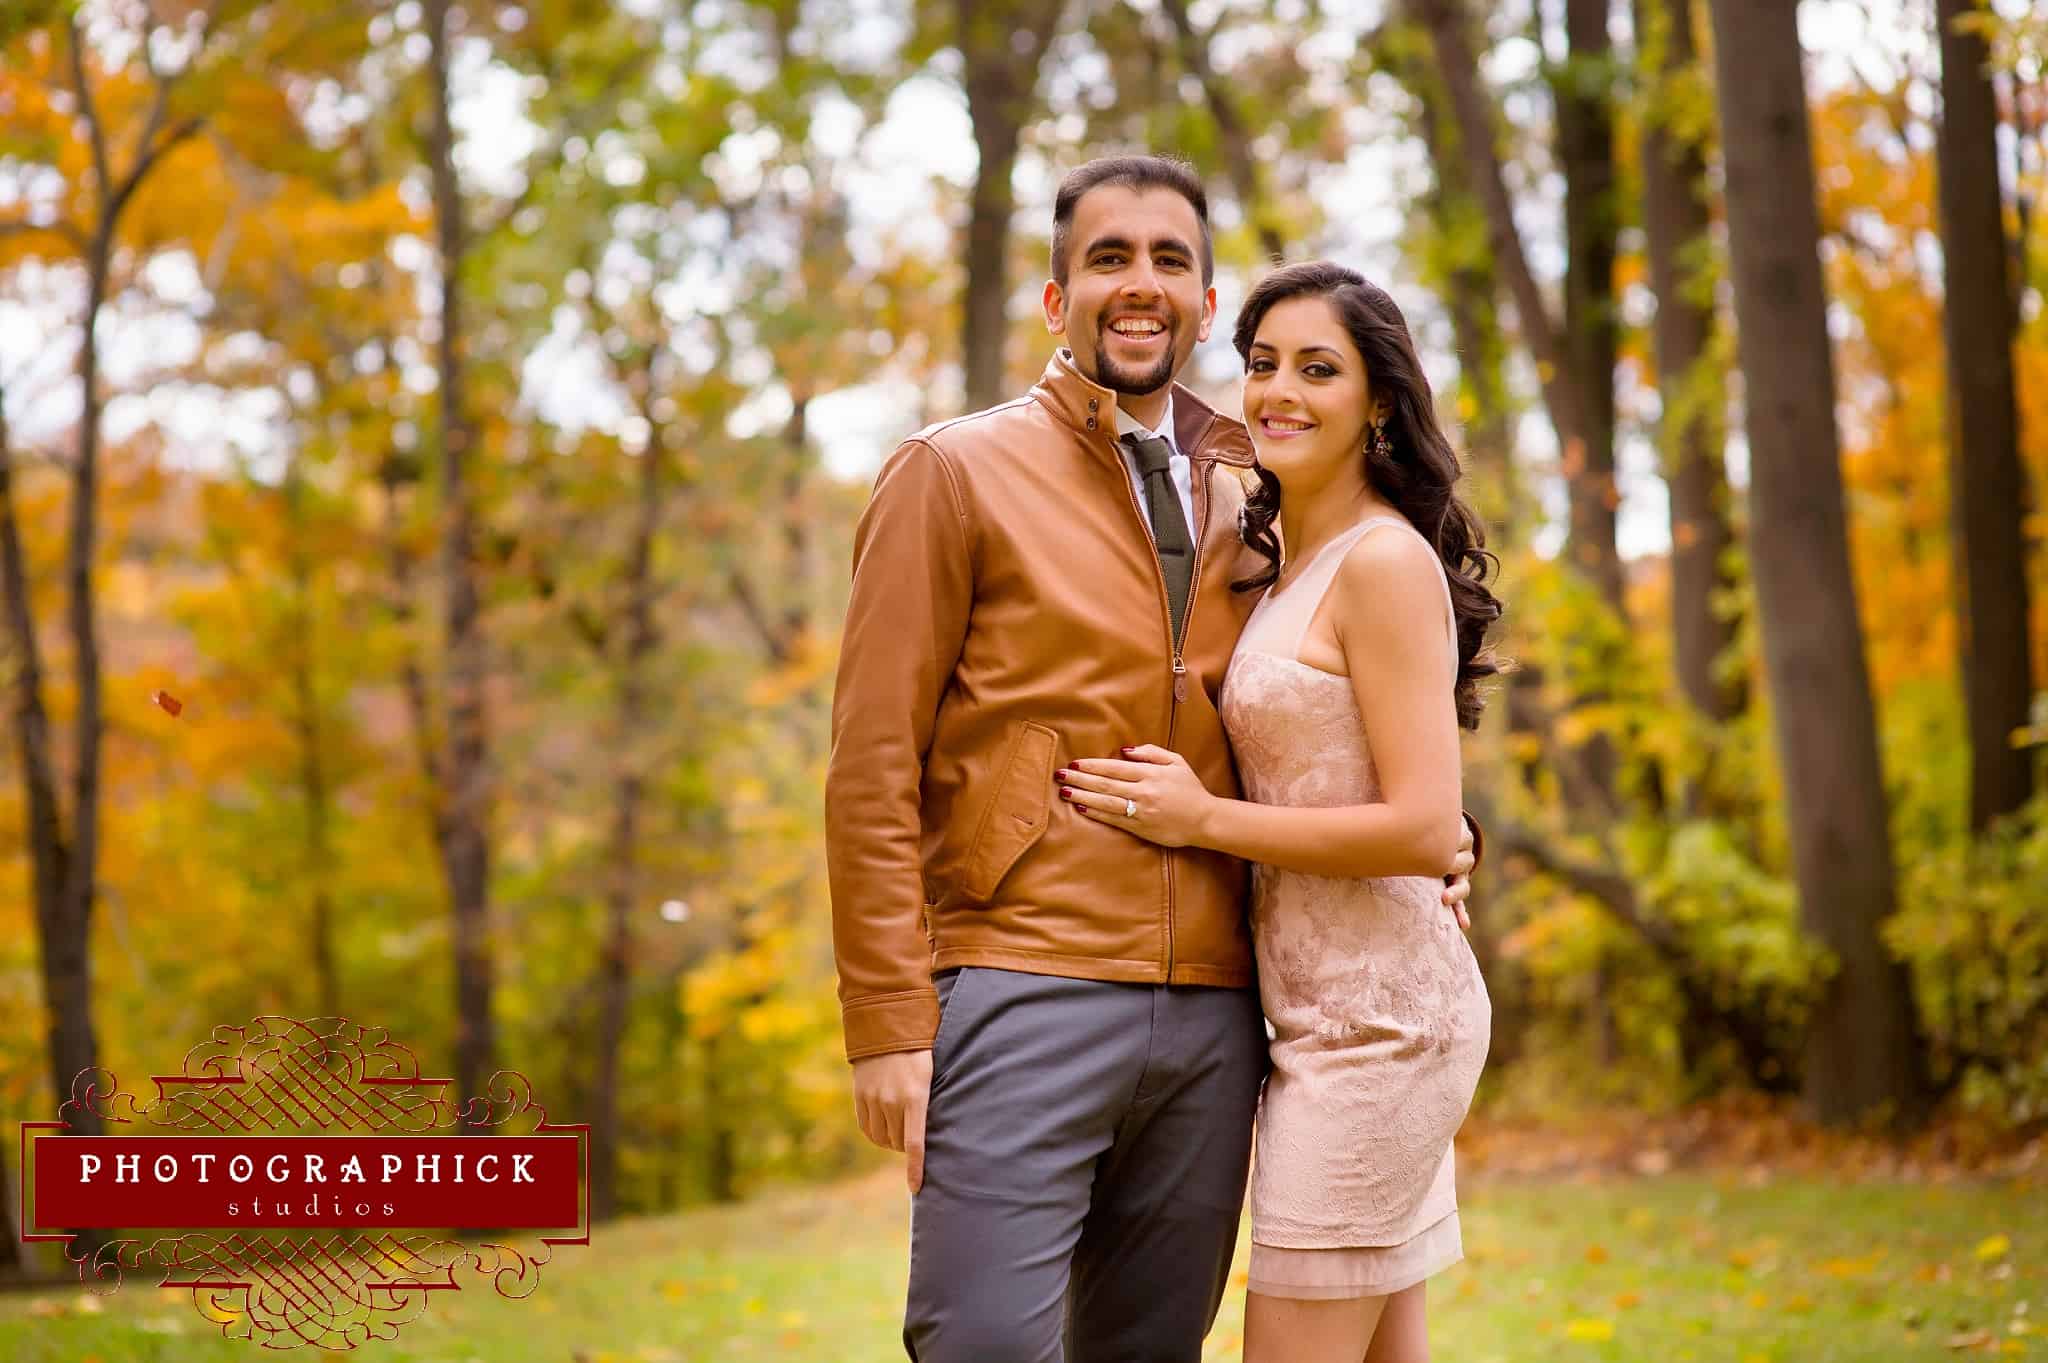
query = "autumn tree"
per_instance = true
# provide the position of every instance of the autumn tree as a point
(1987, 489)
(1001, 46)
(1677, 222)
(1584, 88)
(1862, 1052)
(128, 125)
(461, 755)
(1234, 139)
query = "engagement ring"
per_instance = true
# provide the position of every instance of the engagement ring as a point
(1130, 809)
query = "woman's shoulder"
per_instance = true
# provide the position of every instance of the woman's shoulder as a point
(1389, 552)
(1389, 575)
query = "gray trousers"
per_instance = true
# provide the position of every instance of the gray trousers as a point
(1086, 1151)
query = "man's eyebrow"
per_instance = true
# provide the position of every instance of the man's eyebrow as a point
(1160, 246)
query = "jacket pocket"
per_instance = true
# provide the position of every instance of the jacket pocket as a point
(1016, 815)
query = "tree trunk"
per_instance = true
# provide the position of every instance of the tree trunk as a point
(13, 1264)
(312, 755)
(796, 527)
(1677, 224)
(1473, 113)
(1585, 145)
(1470, 288)
(69, 1039)
(1862, 1054)
(721, 1157)
(1001, 45)
(1988, 492)
(64, 866)
(463, 801)
(615, 985)
(1586, 772)
(1238, 161)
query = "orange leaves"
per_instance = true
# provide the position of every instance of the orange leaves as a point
(1861, 1267)
(168, 703)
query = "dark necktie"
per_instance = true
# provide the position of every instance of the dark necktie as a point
(1169, 526)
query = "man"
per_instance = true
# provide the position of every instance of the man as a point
(1055, 1021)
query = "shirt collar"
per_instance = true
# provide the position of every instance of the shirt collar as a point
(1126, 424)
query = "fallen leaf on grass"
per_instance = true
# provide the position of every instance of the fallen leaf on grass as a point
(1851, 1268)
(1596, 1254)
(1993, 1247)
(1595, 1329)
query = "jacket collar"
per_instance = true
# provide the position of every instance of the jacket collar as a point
(1198, 429)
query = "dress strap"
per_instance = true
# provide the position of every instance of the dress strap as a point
(1298, 602)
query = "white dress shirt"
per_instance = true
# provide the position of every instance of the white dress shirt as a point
(1178, 466)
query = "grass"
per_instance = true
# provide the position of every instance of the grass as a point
(1741, 1269)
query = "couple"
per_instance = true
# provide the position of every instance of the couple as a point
(1050, 879)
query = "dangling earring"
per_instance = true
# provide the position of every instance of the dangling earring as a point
(1382, 448)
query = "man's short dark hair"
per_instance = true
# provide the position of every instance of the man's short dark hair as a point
(1135, 173)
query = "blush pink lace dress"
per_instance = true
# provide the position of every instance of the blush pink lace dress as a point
(1379, 1014)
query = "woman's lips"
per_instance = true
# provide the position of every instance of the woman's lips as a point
(1267, 427)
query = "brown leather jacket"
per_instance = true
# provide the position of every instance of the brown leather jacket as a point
(1008, 616)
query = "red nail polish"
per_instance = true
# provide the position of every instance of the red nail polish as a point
(1066, 793)
(1060, 775)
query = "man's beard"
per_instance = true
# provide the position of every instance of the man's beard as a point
(1132, 382)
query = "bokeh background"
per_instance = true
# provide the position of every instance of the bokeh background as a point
(430, 437)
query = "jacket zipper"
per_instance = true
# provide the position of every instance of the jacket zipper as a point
(1205, 471)
(1199, 476)
(1178, 693)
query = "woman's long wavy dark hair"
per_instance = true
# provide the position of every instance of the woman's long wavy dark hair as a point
(1416, 477)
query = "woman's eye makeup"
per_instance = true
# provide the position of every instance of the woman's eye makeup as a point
(1314, 369)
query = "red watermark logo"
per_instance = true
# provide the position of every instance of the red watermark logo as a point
(307, 1168)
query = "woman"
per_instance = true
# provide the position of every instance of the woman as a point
(1343, 703)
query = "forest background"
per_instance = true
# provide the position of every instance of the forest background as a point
(430, 437)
